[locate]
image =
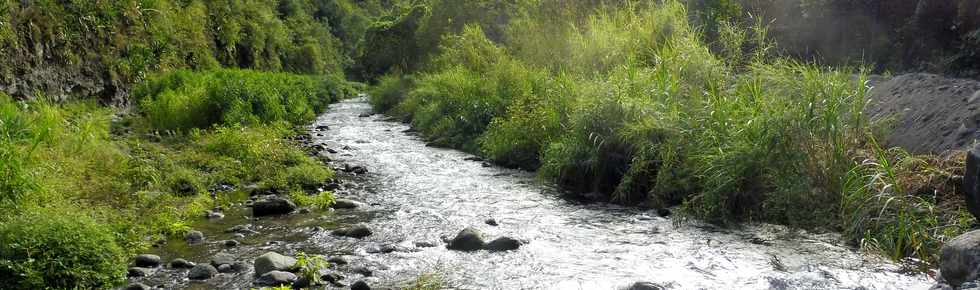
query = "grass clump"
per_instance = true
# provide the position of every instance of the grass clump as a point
(42, 248)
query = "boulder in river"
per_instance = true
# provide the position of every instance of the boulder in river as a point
(276, 278)
(147, 261)
(341, 203)
(358, 231)
(273, 205)
(960, 259)
(202, 272)
(139, 272)
(194, 237)
(181, 264)
(646, 286)
(467, 240)
(971, 181)
(503, 244)
(273, 261)
(137, 286)
(491, 222)
(222, 259)
(360, 285)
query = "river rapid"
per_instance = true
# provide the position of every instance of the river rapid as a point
(414, 193)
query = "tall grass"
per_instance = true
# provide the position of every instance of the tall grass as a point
(629, 102)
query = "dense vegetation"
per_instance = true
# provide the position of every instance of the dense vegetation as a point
(635, 102)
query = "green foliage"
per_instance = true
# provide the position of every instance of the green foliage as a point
(310, 267)
(61, 250)
(184, 100)
(389, 91)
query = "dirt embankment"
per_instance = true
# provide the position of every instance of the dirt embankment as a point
(926, 113)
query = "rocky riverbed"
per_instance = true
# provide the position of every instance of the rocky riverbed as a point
(405, 210)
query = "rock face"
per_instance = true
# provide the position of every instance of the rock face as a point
(503, 244)
(272, 261)
(222, 259)
(469, 239)
(202, 272)
(971, 181)
(276, 278)
(960, 260)
(358, 231)
(147, 260)
(273, 205)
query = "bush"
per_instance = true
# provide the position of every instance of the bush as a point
(42, 248)
(185, 100)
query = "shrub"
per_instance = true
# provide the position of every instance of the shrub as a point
(42, 248)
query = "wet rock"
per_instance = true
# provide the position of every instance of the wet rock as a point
(194, 237)
(202, 272)
(360, 285)
(372, 249)
(322, 128)
(348, 148)
(960, 259)
(469, 239)
(425, 244)
(486, 164)
(358, 231)
(341, 203)
(147, 260)
(231, 243)
(214, 215)
(302, 283)
(222, 259)
(138, 272)
(238, 236)
(273, 205)
(663, 212)
(364, 271)
(332, 278)
(137, 286)
(276, 278)
(473, 158)
(491, 222)
(971, 181)
(331, 151)
(225, 268)
(971, 285)
(503, 244)
(273, 261)
(239, 266)
(337, 261)
(181, 264)
(241, 229)
(646, 286)
(941, 286)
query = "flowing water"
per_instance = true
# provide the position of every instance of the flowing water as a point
(417, 193)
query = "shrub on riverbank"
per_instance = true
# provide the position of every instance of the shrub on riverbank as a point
(636, 106)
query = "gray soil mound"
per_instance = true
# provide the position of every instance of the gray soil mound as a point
(926, 113)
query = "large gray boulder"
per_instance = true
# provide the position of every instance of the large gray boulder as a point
(341, 203)
(273, 205)
(467, 240)
(276, 278)
(971, 181)
(222, 259)
(273, 261)
(147, 261)
(202, 272)
(960, 259)
(645, 286)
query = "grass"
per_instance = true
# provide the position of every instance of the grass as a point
(630, 101)
(125, 179)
